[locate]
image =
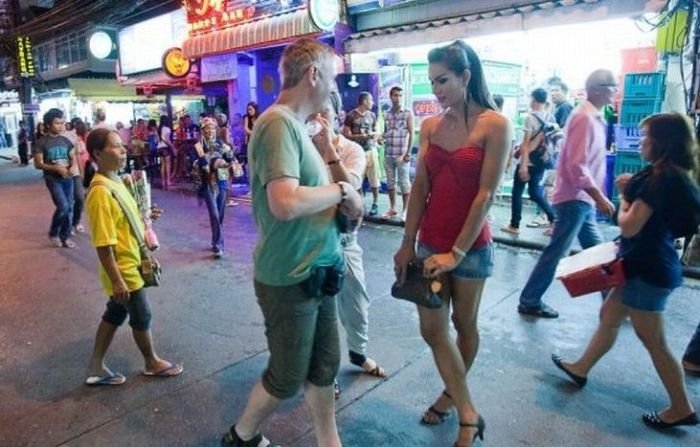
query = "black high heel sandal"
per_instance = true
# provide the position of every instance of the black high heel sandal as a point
(480, 426)
(440, 416)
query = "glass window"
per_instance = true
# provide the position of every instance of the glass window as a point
(62, 53)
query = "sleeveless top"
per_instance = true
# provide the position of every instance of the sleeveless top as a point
(454, 184)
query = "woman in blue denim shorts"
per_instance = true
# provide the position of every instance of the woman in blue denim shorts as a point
(463, 153)
(657, 205)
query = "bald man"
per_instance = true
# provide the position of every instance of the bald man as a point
(578, 190)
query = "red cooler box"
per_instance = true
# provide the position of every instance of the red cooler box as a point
(592, 270)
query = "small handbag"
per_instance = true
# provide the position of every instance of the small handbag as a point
(149, 269)
(592, 270)
(417, 288)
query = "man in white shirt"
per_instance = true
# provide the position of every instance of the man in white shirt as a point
(348, 164)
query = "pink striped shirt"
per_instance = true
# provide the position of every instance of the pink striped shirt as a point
(581, 163)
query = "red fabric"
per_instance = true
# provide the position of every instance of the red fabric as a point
(454, 184)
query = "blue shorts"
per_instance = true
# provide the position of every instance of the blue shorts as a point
(640, 295)
(477, 264)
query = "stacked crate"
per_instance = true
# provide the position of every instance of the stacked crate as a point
(643, 96)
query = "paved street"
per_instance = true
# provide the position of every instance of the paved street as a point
(206, 316)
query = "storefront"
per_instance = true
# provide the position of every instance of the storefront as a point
(248, 35)
(149, 64)
(10, 116)
(535, 42)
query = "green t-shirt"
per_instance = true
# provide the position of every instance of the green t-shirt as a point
(286, 251)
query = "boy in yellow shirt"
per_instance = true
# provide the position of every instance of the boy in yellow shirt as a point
(120, 258)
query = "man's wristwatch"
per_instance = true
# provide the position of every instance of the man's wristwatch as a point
(343, 191)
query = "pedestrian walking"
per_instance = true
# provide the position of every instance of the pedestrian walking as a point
(655, 206)
(532, 164)
(579, 190)
(54, 154)
(298, 263)
(346, 163)
(23, 144)
(166, 151)
(119, 262)
(214, 158)
(462, 156)
(77, 173)
(398, 143)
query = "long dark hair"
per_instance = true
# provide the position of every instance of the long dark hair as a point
(164, 122)
(672, 142)
(457, 57)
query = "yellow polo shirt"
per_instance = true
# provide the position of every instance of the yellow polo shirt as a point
(110, 227)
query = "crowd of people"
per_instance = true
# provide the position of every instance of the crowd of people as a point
(306, 165)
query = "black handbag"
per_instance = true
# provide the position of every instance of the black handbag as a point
(417, 288)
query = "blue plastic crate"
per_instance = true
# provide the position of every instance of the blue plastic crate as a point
(635, 110)
(626, 163)
(645, 85)
(626, 138)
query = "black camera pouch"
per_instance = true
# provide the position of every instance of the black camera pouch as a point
(324, 280)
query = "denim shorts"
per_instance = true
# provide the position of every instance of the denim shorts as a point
(138, 310)
(475, 265)
(640, 295)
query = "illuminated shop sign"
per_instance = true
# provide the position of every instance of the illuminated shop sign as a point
(210, 15)
(25, 58)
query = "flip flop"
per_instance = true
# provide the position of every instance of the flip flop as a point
(169, 370)
(108, 379)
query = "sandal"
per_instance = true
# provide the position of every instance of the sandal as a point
(653, 420)
(231, 439)
(480, 426)
(441, 416)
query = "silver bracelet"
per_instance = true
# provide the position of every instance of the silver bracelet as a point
(458, 251)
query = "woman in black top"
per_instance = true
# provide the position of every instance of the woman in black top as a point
(657, 205)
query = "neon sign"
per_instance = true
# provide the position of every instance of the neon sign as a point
(210, 15)
(25, 58)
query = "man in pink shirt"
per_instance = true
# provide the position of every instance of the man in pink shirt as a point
(578, 191)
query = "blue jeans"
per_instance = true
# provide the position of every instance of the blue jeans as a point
(574, 218)
(215, 198)
(61, 190)
(692, 352)
(534, 190)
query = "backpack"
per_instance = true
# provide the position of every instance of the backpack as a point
(545, 154)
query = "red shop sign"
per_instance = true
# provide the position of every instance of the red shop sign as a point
(426, 108)
(210, 15)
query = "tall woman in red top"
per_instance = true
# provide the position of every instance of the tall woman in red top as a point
(463, 152)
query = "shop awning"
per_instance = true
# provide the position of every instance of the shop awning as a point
(261, 33)
(103, 90)
(524, 16)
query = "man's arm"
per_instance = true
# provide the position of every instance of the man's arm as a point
(579, 140)
(56, 169)
(288, 200)
(409, 126)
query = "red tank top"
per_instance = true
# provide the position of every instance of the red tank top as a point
(454, 184)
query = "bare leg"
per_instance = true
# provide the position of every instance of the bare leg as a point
(451, 360)
(404, 198)
(392, 199)
(261, 404)
(466, 297)
(612, 314)
(321, 403)
(144, 341)
(649, 327)
(375, 195)
(103, 339)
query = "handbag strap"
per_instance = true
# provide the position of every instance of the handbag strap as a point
(127, 212)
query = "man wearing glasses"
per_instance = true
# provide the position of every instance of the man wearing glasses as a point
(578, 190)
